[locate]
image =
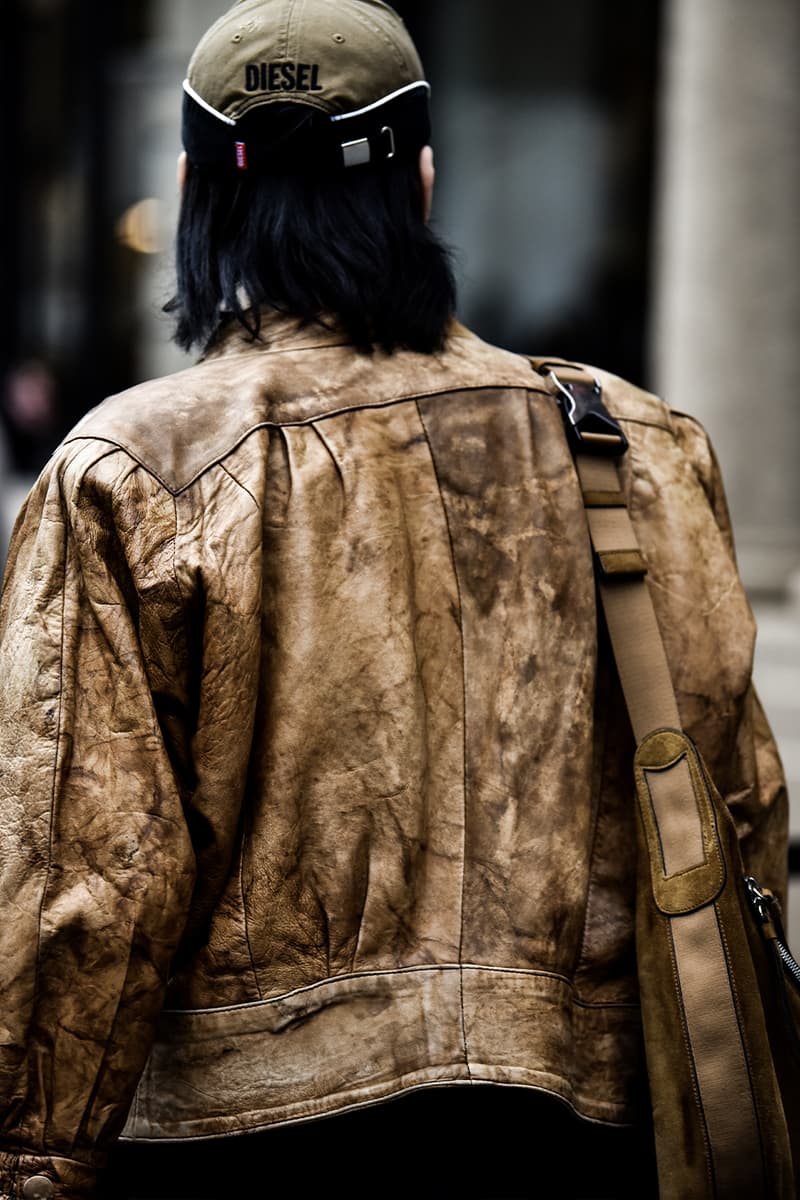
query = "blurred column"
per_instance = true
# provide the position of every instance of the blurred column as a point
(727, 314)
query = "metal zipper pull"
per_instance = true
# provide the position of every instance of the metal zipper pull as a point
(767, 910)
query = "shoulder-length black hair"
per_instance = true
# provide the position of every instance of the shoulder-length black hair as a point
(351, 246)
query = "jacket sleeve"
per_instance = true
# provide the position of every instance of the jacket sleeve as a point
(96, 862)
(748, 771)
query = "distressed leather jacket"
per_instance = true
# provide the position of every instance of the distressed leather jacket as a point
(316, 773)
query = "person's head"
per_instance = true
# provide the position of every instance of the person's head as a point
(307, 177)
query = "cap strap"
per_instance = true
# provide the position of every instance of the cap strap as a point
(396, 127)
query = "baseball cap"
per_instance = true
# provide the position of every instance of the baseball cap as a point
(348, 68)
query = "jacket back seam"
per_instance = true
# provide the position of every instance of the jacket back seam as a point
(465, 768)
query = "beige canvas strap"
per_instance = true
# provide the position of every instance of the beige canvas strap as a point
(686, 861)
(631, 620)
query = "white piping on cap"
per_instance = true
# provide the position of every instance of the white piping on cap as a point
(359, 112)
(187, 87)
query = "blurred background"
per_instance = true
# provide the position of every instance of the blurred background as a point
(620, 184)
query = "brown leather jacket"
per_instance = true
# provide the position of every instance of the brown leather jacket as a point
(316, 779)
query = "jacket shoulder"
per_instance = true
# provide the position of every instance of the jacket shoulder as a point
(164, 424)
(627, 401)
(179, 425)
(635, 406)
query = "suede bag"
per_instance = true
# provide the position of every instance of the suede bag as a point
(720, 1020)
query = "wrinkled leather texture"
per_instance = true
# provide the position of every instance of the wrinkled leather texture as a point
(316, 776)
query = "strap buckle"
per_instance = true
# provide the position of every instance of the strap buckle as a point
(590, 427)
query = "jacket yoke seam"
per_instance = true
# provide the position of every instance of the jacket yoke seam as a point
(218, 458)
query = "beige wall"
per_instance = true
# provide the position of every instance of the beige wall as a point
(727, 302)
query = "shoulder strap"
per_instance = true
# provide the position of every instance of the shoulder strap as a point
(598, 443)
(707, 1048)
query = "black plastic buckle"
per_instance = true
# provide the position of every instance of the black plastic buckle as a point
(590, 427)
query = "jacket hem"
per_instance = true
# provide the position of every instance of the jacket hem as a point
(353, 1041)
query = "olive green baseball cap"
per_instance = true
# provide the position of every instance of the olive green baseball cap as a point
(352, 61)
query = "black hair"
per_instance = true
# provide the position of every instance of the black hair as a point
(348, 245)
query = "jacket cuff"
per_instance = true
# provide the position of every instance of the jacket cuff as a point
(27, 1176)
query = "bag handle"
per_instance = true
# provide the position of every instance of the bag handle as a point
(718, 1117)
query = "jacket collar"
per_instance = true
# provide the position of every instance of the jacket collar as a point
(279, 332)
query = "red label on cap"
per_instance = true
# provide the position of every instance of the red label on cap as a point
(241, 155)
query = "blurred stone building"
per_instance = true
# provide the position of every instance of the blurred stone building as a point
(620, 183)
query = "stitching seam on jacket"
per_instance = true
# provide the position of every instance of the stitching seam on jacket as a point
(183, 601)
(239, 484)
(410, 398)
(56, 762)
(597, 786)
(217, 459)
(524, 972)
(333, 457)
(566, 1095)
(465, 771)
(245, 923)
(264, 349)
(59, 726)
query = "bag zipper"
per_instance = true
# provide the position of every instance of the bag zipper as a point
(767, 910)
